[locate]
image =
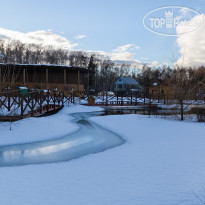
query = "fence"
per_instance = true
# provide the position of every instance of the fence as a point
(17, 105)
(113, 99)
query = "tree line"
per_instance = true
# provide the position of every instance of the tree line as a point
(187, 83)
(106, 71)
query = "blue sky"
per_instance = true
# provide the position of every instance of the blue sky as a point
(106, 24)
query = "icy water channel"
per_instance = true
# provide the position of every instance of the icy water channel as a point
(90, 138)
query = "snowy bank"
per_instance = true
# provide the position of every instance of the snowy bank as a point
(161, 163)
(41, 128)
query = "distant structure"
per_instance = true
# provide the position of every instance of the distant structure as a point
(160, 91)
(125, 85)
(1, 57)
(40, 76)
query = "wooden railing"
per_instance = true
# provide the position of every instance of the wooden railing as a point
(113, 99)
(15, 103)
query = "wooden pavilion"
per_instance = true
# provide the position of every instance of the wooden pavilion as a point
(43, 76)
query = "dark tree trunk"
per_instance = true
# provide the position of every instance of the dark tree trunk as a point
(182, 110)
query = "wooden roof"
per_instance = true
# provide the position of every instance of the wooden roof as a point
(45, 66)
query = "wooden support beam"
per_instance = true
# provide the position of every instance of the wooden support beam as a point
(22, 110)
(24, 77)
(65, 80)
(32, 103)
(54, 99)
(40, 100)
(46, 78)
(78, 81)
(88, 79)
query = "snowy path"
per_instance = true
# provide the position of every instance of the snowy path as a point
(90, 138)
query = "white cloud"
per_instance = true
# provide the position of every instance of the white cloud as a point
(123, 56)
(80, 36)
(192, 45)
(43, 37)
(121, 53)
(124, 53)
(155, 64)
(125, 48)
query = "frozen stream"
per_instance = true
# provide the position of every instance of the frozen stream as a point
(90, 138)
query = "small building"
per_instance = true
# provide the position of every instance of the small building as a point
(161, 91)
(40, 76)
(91, 101)
(125, 85)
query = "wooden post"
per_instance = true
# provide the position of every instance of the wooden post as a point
(69, 97)
(58, 100)
(54, 99)
(78, 81)
(41, 102)
(65, 77)
(21, 95)
(73, 98)
(32, 104)
(106, 98)
(136, 95)
(131, 97)
(9, 102)
(48, 94)
(122, 98)
(144, 98)
(62, 98)
(46, 78)
(88, 79)
(24, 77)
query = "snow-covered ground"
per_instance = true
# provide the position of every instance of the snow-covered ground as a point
(161, 163)
(41, 128)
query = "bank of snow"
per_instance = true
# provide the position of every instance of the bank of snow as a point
(161, 163)
(41, 128)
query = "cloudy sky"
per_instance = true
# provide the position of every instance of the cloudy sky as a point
(112, 27)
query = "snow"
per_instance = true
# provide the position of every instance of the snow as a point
(54, 65)
(161, 163)
(41, 128)
(22, 88)
(89, 139)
